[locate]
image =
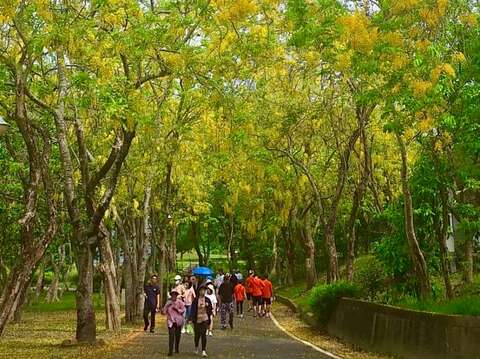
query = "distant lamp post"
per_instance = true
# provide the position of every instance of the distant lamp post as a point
(3, 126)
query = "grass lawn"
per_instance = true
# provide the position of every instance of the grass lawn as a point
(297, 293)
(44, 327)
(459, 306)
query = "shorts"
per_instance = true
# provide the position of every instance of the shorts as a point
(249, 296)
(267, 301)
(257, 300)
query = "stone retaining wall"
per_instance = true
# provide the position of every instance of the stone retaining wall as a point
(405, 333)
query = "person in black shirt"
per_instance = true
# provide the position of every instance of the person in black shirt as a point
(225, 293)
(152, 303)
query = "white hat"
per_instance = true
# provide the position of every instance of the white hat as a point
(177, 277)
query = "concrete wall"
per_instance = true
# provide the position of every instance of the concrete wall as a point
(405, 333)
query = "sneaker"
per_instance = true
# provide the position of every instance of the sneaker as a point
(196, 351)
(145, 328)
(204, 354)
(152, 330)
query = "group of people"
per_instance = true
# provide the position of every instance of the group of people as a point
(195, 302)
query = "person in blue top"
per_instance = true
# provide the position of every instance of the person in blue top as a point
(152, 303)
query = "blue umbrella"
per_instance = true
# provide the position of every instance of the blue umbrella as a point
(202, 271)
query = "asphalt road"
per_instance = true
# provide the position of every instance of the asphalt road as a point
(250, 338)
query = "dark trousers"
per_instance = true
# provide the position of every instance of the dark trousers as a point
(240, 308)
(200, 330)
(174, 334)
(148, 309)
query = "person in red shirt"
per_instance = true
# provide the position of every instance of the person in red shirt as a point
(257, 285)
(248, 288)
(240, 294)
(267, 295)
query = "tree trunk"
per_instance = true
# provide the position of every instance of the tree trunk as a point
(40, 282)
(290, 258)
(112, 301)
(143, 251)
(416, 254)
(333, 273)
(469, 262)
(12, 293)
(196, 242)
(357, 201)
(273, 270)
(86, 323)
(128, 269)
(309, 245)
(442, 236)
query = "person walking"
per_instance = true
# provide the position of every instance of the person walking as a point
(225, 294)
(151, 292)
(249, 288)
(179, 287)
(240, 295)
(200, 315)
(174, 309)
(212, 295)
(219, 278)
(267, 296)
(189, 297)
(257, 286)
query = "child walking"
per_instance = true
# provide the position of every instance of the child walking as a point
(240, 294)
(174, 309)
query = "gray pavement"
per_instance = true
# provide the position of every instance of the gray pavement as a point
(250, 338)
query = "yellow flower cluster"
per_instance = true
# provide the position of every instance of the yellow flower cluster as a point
(458, 57)
(430, 16)
(399, 61)
(426, 124)
(344, 61)
(420, 87)
(470, 19)
(402, 6)
(359, 32)
(442, 6)
(394, 39)
(235, 9)
(7, 10)
(440, 69)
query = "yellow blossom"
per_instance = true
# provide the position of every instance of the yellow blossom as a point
(449, 70)
(470, 19)
(394, 39)
(402, 6)
(420, 87)
(399, 61)
(426, 124)
(458, 57)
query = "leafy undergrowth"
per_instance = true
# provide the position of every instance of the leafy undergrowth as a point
(459, 306)
(43, 328)
(297, 293)
(290, 322)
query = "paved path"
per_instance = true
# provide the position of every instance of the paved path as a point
(251, 338)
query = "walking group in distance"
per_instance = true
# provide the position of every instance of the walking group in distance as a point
(195, 302)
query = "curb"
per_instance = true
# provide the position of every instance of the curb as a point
(313, 346)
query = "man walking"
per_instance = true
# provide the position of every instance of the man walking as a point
(225, 293)
(152, 302)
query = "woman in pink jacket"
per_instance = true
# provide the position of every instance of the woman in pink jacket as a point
(174, 310)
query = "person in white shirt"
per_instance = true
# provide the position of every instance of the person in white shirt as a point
(213, 298)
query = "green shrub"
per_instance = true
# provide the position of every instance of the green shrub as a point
(325, 297)
(369, 276)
